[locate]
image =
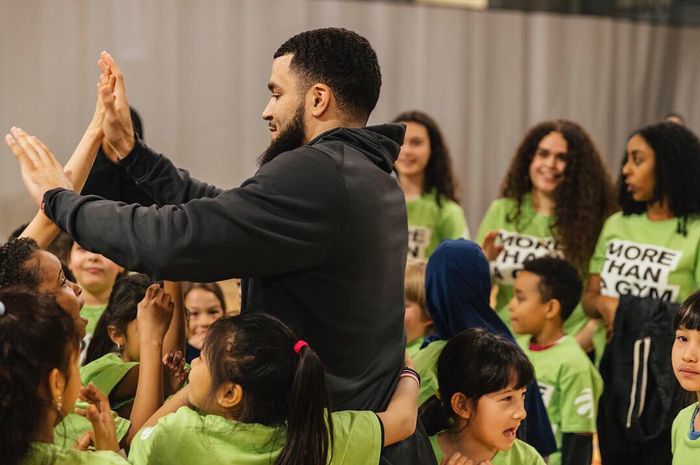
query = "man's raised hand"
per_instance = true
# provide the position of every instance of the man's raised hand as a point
(41, 172)
(117, 126)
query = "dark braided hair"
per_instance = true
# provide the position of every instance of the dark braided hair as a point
(14, 269)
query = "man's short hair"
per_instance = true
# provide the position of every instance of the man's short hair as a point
(558, 280)
(341, 59)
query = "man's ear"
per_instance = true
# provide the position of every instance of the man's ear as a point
(229, 395)
(461, 406)
(320, 97)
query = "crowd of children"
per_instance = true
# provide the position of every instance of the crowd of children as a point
(512, 344)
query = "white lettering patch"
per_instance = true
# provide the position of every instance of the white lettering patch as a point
(517, 249)
(546, 391)
(640, 270)
(584, 403)
(418, 241)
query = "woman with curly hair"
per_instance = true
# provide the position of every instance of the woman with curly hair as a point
(554, 200)
(651, 248)
(425, 174)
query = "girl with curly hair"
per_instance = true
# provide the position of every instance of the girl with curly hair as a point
(425, 174)
(650, 248)
(554, 201)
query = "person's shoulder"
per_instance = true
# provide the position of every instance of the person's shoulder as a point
(682, 420)
(183, 418)
(429, 354)
(504, 204)
(521, 453)
(48, 453)
(572, 357)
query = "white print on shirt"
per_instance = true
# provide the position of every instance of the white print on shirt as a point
(517, 249)
(418, 241)
(546, 392)
(640, 270)
(584, 403)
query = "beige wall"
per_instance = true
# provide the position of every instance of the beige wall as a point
(197, 72)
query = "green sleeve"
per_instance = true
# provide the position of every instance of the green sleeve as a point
(580, 389)
(696, 272)
(598, 258)
(142, 445)
(452, 224)
(357, 438)
(426, 366)
(493, 220)
(106, 373)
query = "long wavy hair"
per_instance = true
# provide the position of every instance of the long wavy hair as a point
(676, 172)
(438, 171)
(584, 198)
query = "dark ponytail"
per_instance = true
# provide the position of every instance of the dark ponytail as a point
(309, 425)
(36, 336)
(281, 387)
(121, 310)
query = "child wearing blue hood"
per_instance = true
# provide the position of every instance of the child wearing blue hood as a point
(458, 286)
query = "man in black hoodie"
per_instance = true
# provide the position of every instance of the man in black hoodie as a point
(319, 231)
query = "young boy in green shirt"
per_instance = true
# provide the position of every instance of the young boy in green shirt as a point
(547, 290)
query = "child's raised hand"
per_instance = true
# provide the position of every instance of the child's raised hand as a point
(154, 313)
(175, 362)
(99, 414)
(490, 247)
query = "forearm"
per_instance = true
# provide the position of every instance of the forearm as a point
(177, 400)
(149, 391)
(175, 337)
(577, 449)
(41, 228)
(400, 417)
(162, 180)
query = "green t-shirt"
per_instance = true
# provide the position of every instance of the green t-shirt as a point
(570, 387)
(426, 365)
(520, 454)
(647, 258)
(531, 238)
(188, 437)
(685, 451)
(413, 347)
(92, 314)
(72, 427)
(106, 373)
(41, 453)
(428, 224)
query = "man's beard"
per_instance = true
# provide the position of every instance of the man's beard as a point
(290, 137)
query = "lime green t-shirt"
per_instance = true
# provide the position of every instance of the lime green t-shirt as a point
(520, 454)
(531, 238)
(646, 258)
(188, 437)
(426, 365)
(413, 347)
(92, 314)
(430, 224)
(41, 453)
(106, 373)
(685, 451)
(72, 427)
(570, 387)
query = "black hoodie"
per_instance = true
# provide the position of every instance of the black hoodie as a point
(320, 231)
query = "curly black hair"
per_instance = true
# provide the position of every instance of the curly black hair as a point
(558, 280)
(14, 267)
(676, 172)
(584, 198)
(438, 171)
(341, 59)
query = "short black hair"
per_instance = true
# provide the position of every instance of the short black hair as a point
(14, 267)
(341, 59)
(676, 172)
(558, 280)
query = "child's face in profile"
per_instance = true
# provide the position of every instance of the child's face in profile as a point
(199, 382)
(497, 418)
(527, 311)
(414, 321)
(685, 357)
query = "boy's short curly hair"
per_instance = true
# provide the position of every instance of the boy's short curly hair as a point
(558, 280)
(341, 59)
(14, 267)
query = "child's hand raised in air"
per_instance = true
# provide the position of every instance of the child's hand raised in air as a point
(154, 313)
(104, 434)
(175, 362)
